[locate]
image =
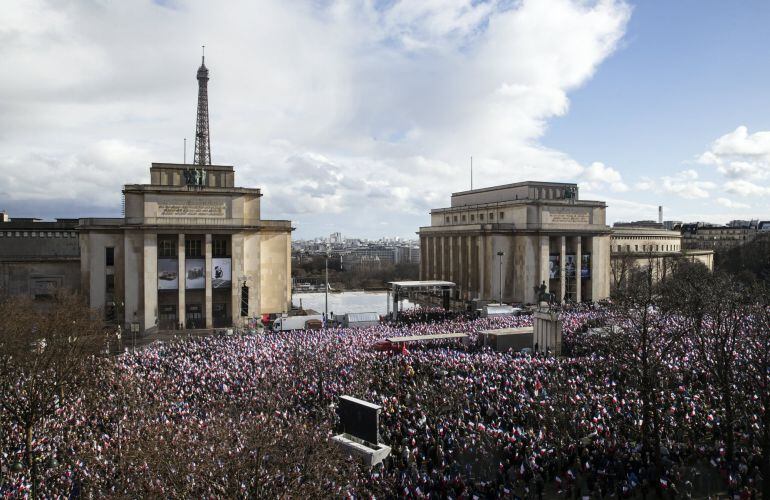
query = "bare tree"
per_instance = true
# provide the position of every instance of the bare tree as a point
(642, 342)
(757, 374)
(45, 353)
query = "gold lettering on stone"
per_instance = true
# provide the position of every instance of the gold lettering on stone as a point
(192, 208)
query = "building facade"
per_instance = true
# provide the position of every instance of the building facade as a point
(182, 253)
(191, 250)
(639, 245)
(38, 257)
(507, 240)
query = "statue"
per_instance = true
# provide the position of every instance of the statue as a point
(543, 295)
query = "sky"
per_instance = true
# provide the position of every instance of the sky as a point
(361, 116)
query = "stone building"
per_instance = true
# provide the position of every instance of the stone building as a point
(190, 251)
(711, 237)
(519, 236)
(182, 253)
(637, 245)
(38, 257)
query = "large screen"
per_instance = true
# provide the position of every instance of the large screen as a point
(221, 273)
(553, 266)
(168, 274)
(359, 418)
(585, 269)
(195, 273)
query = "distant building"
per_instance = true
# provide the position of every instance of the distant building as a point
(637, 245)
(37, 257)
(191, 249)
(710, 237)
(544, 232)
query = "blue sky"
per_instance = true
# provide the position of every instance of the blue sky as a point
(685, 73)
(360, 116)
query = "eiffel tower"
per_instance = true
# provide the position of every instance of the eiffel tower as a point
(202, 139)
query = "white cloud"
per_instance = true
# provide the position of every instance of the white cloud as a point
(685, 184)
(358, 111)
(597, 176)
(727, 203)
(746, 188)
(740, 155)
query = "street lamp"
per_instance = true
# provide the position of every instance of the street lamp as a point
(500, 254)
(326, 288)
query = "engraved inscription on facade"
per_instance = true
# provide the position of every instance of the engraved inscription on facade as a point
(192, 208)
(564, 215)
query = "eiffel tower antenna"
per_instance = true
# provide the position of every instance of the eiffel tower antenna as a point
(202, 140)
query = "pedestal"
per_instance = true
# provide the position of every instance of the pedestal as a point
(371, 456)
(547, 332)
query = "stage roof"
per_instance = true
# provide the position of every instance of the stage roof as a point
(416, 338)
(421, 284)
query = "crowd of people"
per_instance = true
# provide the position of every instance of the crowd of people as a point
(463, 421)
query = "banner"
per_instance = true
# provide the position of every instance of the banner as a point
(553, 266)
(195, 274)
(221, 273)
(168, 274)
(585, 268)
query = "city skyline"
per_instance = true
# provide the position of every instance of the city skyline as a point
(360, 117)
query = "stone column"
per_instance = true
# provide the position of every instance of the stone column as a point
(434, 259)
(450, 259)
(562, 268)
(543, 264)
(578, 265)
(469, 266)
(182, 304)
(150, 280)
(482, 269)
(423, 260)
(207, 274)
(442, 274)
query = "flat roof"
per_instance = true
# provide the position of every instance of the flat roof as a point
(420, 284)
(361, 402)
(439, 336)
(509, 331)
(515, 184)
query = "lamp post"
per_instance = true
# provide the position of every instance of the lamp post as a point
(326, 288)
(500, 254)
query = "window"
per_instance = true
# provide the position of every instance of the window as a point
(501, 215)
(636, 248)
(109, 256)
(463, 217)
(19, 234)
(481, 216)
(58, 234)
(192, 248)
(72, 234)
(454, 218)
(26, 234)
(446, 219)
(619, 248)
(219, 247)
(491, 216)
(473, 217)
(166, 248)
(109, 283)
(50, 234)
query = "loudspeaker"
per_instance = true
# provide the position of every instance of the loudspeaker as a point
(244, 301)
